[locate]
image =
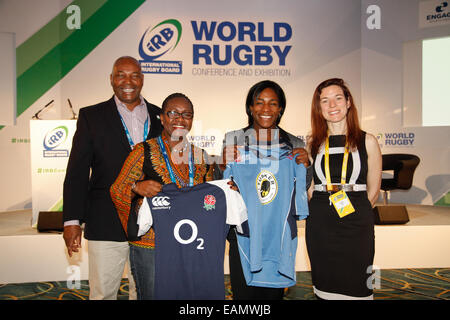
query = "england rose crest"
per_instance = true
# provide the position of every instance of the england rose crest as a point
(209, 202)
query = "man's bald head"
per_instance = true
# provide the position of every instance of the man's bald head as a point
(127, 81)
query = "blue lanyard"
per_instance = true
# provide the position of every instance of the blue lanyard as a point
(169, 167)
(130, 140)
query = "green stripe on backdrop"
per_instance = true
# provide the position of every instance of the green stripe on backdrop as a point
(444, 201)
(58, 206)
(62, 58)
(50, 35)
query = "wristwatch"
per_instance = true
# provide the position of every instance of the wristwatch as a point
(133, 186)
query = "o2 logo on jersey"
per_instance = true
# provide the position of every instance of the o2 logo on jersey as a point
(266, 186)
(158, 41)
(53, 139)
(194, 234)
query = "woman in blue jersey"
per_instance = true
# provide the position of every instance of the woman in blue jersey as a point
(265, 105)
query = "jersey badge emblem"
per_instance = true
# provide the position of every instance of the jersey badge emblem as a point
(266, 186)
(209, 202)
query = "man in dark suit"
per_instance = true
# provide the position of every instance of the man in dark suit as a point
(105, 135)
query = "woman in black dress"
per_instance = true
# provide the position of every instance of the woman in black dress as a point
(340, 229)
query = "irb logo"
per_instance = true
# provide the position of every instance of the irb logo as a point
(55, 137)
(160, 39)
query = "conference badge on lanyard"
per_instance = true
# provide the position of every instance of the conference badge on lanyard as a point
(340, 200)
(342, 203)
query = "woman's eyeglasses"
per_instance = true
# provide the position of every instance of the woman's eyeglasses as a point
(175, 115)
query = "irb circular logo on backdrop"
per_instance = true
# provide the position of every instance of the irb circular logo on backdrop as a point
(53, 139)
(158, 41)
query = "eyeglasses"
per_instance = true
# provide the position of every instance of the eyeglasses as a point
(175, 115)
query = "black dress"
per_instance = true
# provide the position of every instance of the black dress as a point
(341, 250)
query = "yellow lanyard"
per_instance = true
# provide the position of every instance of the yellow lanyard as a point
(327, 164)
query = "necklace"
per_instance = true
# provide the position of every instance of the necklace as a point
(169, 163)
(185, 146)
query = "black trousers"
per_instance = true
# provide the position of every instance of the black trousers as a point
(240, 289)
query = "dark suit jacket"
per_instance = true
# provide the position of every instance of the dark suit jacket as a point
(99, 149)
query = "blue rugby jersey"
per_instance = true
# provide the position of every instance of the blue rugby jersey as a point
(274, 190)
(191, 225)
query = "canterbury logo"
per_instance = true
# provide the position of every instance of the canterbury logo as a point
(160, 201)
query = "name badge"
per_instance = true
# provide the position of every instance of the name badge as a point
(342, 203)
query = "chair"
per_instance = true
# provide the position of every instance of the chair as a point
(403, 166)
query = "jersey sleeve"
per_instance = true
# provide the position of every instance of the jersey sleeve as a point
(236, 209)
(228, 173)
(145, 219)
(301, 198)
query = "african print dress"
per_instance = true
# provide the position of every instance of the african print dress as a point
(146, 162)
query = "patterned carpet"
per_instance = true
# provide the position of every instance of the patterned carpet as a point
(394, 284)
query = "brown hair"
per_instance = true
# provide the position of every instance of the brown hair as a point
(319, 124)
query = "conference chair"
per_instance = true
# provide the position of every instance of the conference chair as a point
(403, 166)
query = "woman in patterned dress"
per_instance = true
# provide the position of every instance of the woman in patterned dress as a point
(144, 173)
